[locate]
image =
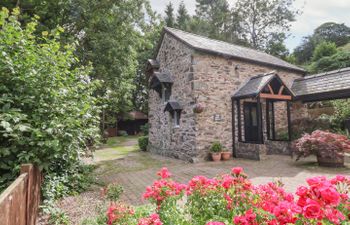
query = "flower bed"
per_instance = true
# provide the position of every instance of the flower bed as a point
(232, 199)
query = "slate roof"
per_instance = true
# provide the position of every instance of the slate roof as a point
(329, 85)
(160, 77)
(154, 63)
(254, 86)
(172, 106)
(225, 49)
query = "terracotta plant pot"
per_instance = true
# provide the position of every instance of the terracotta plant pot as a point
(225, 155)
(216, 156)
(331, 162)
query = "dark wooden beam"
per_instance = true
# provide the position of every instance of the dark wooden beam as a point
(233, 129)
(268, 119)
(238, 102)
(273, 120)
(289, 122)
(260, 133)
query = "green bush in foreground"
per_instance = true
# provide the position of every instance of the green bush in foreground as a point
(143, 143)
(47, 110)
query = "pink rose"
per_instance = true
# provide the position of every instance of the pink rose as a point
(237, 170)
(312, 210)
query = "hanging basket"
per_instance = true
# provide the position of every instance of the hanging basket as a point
(198, 108)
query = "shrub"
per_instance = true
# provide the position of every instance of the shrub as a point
(145, 129)
(216, 147)
(321, 143)
(232, 199)
(113, 192)
(122, 133)
(48, 112)
(143, 143)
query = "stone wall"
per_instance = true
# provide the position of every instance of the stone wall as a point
(215, 81)
(209, 80)
(164, 137)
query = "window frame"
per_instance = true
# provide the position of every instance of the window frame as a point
(176, 119)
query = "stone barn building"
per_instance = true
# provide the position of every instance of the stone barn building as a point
(204, 90)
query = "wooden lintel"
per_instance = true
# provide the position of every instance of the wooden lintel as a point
(270, 88)
(278, 97)
(281, 90)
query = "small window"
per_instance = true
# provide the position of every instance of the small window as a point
(166, 92)
(176, 118)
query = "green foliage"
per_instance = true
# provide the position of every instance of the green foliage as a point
(142, 211)
(122, 133)
(58, 217)
(261, 20)
(303, 52)
(327, 32)
(110, 34)
(275, 46)
(333, 32)
(114, 191)
(47, 110)
(337, 61)
(143, 142)
(324, 49)
(145, 129)
(341, 113)
(183, 18)
(259, 24)
(216, 147)
(169, 15)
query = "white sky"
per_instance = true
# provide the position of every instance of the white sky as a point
(315, 12)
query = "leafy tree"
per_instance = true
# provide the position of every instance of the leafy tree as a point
(109, 34)
(146, 51)
(48, 112)
(324, 49)
(215, 20)
(329, 32)
(275, 46)
(337, 61)
(169, 15)
(182, 18)
(261, 19)
(304, 51)
(333, 32)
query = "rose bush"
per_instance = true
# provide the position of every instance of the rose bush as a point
(232, 199)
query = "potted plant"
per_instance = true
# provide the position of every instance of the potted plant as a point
(225, 155)
(215, 150)
(328, 147)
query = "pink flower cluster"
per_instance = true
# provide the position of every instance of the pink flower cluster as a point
(118, 212)
(151, 220)
(323, 201)
(163, 188)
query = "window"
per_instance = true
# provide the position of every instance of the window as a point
(176, 119)
(166, 92)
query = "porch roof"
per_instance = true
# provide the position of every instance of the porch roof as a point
(255, 86)
(324, 86)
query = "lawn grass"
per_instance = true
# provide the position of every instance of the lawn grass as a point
(116, 148)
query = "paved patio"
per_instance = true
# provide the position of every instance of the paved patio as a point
(136, 170)
(284, 168)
